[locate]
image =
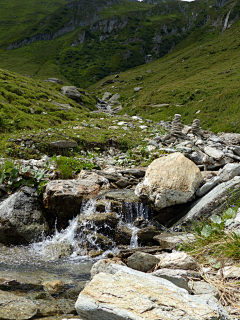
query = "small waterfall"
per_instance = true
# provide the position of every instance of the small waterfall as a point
(95, 233)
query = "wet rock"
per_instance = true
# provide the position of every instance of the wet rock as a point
(13, 307)
(147, 234)
(63, 198)
(142, 261)
(131, 294)
(229, 171)
(22, 218)
(56, 250)
(177, 276)
(178, 260)
(202, 287)
(171, 241)
(169, 180)
(123, 234)
(99, 219)
(213, 202)
(10, 280)
(53, 287)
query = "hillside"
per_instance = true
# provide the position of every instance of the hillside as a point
(83, 41)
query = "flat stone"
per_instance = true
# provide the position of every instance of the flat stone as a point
(13, 307)
(213, 152)
(177, 276)
(229, 171)
(62, 144)
(142, 261)
(208, 186)
(202, 287)
(213, 202)
(172, 241)
(124, 294)
(178, 260)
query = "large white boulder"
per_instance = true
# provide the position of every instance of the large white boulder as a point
(134, 295)
(169, 180)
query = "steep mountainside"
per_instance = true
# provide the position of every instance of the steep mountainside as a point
(84, 41)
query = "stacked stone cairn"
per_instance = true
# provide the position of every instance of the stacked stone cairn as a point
(176, 128)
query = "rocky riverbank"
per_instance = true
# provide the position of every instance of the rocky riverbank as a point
(133, 215)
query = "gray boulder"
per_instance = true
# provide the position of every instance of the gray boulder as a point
(72, 93)
(142, 261)
(123, 293)
(22, 219)
(169, 180)
(213, 202)
(229, 171)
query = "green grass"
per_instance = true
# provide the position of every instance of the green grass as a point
(189, 79)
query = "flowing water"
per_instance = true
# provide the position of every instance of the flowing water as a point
(65, 255)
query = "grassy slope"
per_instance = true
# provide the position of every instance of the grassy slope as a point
(188, 79)
(16, 16)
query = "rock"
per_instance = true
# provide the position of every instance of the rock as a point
(55, 250)
(230, 272)
(130, 294)
(63, 144)
(135, 172)
(236, 150)
(229, 171)
(176, 128)
(169, 180)
(142, 261)
(231, 138)
(72, 93)
(114, 98)
(54, 286)
(12, 280)
(53, 80)
(22, 218)
(171, 241)
(102, 266)
(146, 234)
(136, 89)
(63, 198)
(213, 202)
(208, 186)
(197, 157)
(122, 183)
(202, 287)
(99, 219)
(13, 307)
(178, 260)
(106, 96)
(123, 234)
(214, 153)
(177, 276)
(125, 253)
